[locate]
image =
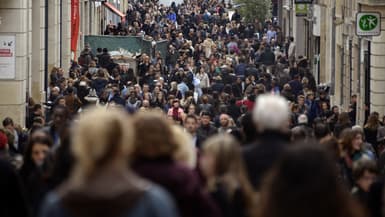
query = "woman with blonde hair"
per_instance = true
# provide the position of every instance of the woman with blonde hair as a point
(154, 159)
(101, 184)
(227, 181)
(186, 153)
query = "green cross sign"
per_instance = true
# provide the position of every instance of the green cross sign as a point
(368, 24)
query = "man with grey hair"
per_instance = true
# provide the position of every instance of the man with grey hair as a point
(271, 118)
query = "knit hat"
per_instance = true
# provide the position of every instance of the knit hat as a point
(3, 140)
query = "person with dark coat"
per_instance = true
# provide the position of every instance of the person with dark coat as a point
(35, 168)
(20, 138)
(364, 174)
(12, 197)
(233, 109)
(206, 129)
(100, 82)
(153, 160)
(116, 98)
(105, 59)
(270, 116)
(343, 122)
(296, 85)
(267, 57)
(371, 129)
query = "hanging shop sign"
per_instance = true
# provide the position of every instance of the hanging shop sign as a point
(301, 10)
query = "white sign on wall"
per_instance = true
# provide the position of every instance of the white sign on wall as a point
(7, 57)
(368, 24)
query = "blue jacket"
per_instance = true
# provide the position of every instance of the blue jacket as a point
(154, 203)
(172, 17)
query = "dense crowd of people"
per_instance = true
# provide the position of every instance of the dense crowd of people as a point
(230, 123)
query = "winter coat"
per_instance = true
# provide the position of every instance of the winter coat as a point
(109, 194)
(182, 183)
(13, 202)
(260, 156)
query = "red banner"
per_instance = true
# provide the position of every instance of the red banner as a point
(75, 20)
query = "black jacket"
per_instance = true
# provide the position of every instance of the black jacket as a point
(260, 156)
(13, 202)
(234, 206)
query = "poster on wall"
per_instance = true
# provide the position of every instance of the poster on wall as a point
(7, 57)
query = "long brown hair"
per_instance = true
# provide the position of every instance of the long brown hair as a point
(304, 183)
(344, 119)
(154, 135)
(347, 137)
(373, 122)
(229, 168)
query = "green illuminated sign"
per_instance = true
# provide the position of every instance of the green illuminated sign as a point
(368, 24)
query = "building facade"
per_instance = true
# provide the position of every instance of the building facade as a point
(349, 64)
(354, 65)
(41, 33)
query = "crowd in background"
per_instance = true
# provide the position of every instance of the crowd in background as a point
(230, 123)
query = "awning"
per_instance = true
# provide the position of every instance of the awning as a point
(114, 10)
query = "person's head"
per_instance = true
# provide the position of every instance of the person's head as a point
(344, 118)
(365, 173)
(310, 95)
(304, 183)
(301, 100)
(302, 119)
(335, 110)
(101, 138)
(224, 120)
(191, 109)
(161, 142)
(298, 134)
(175, 103)
(146, 104)
(38, 148)
(191, 124)
(324, 106)
(351, 140)
(205, 99)
(333, 146)
(60, 115)
(8, 124)
(221, 155)
(205, 118)
(271, 112)
(248, 128)
(373, 121)
(61, 101)
(321, 130)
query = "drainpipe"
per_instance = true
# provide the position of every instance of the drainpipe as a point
(361, 102)
(61, 33)
(333, 57)
(89, 18)
(46, 50)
